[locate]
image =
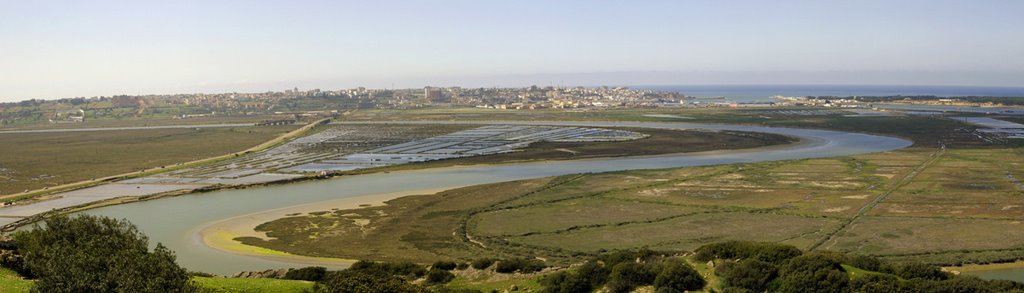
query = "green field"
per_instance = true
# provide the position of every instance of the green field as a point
(877, 204)
(37, 160)
(252, 285)
(11, 282)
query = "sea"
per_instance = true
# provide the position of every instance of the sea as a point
(763, 93)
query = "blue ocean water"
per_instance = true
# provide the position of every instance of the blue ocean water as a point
(754, 93)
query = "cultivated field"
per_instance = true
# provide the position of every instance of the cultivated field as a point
(37, 160)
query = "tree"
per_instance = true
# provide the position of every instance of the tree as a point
(97, 254)
(916, 270)
(678, 276)
(813, 273)
(444, 265)
(590, 275)
(750, 274)
(306, 274)
(365, 281)
(628, 275)
(519, 264)
(482, 263)
(439, 276)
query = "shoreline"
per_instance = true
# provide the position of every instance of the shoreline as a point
(220, 235)
(795, 141)
(809, 141)
(970, 268)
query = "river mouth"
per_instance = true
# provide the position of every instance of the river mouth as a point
(179, 222)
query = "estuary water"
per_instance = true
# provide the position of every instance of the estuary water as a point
(1003, 274)
(176, 221)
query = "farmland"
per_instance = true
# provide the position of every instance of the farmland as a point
(37, 160)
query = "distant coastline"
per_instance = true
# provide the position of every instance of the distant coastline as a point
(755, 93)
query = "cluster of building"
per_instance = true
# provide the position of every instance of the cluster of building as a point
(303, 101)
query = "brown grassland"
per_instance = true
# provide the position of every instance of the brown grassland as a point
(37, 160)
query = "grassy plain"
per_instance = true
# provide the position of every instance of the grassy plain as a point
(11, 282)
(249, 285)
(843, 204)
(488, 281)
(143, 121)
(37, 160)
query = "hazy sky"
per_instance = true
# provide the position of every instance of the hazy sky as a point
(52, 49)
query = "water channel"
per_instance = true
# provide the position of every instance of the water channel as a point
(176, 221)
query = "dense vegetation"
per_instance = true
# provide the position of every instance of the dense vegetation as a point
(624, 271)
(95, 254)
(759, 267)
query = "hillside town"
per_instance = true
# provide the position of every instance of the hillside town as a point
(326, 102)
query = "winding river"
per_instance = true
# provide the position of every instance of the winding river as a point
(176, 221)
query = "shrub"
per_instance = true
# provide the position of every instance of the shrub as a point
(482, 263)
(916, 270)
(306, 274)
(405, 270)
(627, 276)
(97, 254)
(444, 265)
(589, 276)
(439, 276)
(462, 266)
(865, 262)
(678, 276)
(768, 252)
(748, 274)
(365, 281)
(520, 265)
(813, 273)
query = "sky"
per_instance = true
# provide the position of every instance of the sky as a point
(60, 49)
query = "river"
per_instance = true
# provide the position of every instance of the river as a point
(176, 221)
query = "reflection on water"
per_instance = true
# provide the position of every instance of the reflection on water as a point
(1007, 274)
(175, 221)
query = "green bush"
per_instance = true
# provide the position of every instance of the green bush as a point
(97, 254)
(916, 270)
(405, 270)
(627, 276)
(750, 274)
(365, 281)
(520, 265)
(813, 273)
(765, 251)
(865, 262)
(482, 263)
(589, 276)
(444, 265)
(306, 274)
(678, 276)
(439, 276)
